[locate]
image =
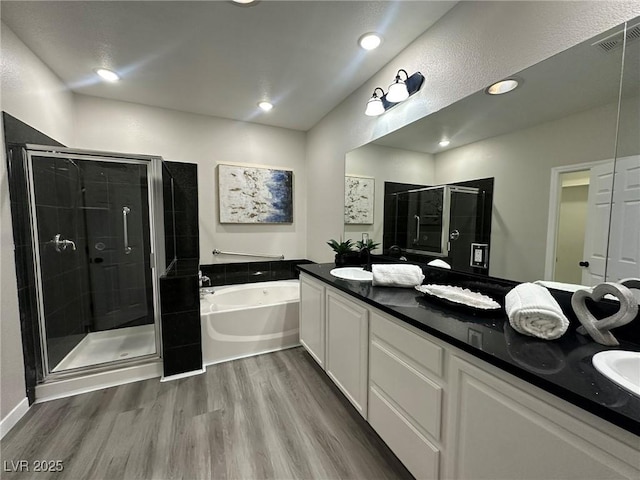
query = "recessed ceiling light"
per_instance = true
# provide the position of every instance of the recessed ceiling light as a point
(444, 142)
(503, 86)
(369, 41)
(107, 75)
(244, 2)
(266, 106)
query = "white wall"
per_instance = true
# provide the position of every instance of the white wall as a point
(33, 94)
(385, 165)
(183, 137)
(474, 44)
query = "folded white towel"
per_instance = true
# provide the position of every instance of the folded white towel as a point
(533, 311)
(396, 275)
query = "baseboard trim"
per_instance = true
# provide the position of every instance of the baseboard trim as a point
(97, 381)
(178, 376)
(252, 354)
(13, 417)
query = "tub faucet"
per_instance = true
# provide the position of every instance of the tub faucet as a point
(203, 280)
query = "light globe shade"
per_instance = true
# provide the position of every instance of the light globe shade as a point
(374, 107)
(397, 92)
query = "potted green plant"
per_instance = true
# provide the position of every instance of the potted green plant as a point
(344, 250)
(368, 244)
(365, 247)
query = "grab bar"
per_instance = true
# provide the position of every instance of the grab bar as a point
(125, 213)
(417, 240)
(219, 252)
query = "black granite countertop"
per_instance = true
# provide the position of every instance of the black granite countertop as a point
(562, 367)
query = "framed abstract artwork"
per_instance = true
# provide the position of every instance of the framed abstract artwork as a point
(248, 194)
(358, 200)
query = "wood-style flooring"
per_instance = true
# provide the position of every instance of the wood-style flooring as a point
(274, 416)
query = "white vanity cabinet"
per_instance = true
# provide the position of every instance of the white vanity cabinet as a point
(448, 414)
(347, 347)
(406, 393)
(334, 329)
(501, 427)
(312, 319)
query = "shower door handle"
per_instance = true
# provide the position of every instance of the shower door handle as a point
(417, 240)
(125, 221)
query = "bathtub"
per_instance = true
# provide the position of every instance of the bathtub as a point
(243, 320)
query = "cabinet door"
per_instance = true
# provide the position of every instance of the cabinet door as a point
(312, 322)
(497, 430)
(347, 348)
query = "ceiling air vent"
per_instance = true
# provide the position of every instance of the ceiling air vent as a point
(614, 41)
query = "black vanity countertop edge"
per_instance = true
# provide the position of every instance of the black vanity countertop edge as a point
(561, 367)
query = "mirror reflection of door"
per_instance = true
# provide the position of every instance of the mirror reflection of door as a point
(582, 224)
(624, 241)
(585, 212)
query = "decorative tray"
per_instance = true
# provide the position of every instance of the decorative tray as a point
(459, 297)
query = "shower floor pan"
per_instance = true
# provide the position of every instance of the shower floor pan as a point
(111, 345)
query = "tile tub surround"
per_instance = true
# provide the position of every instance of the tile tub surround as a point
(561, 367)
(251, 272)
(180, 305)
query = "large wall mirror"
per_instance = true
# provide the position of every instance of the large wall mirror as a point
(544, 155)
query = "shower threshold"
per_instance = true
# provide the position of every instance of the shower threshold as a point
(111, 345)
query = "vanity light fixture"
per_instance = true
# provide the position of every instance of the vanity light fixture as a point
(375, 106)
(265, 106)
(503, 86)
(370, 41)
(108, 75)
(444, 142)
(398, 92)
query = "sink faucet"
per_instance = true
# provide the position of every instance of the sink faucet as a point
(367, 266)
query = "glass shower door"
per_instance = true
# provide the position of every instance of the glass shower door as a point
(92, 243)
(428, 220)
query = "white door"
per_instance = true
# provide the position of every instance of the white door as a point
(624, 240)
(597, 229)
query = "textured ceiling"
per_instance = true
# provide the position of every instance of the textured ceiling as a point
(217, 58)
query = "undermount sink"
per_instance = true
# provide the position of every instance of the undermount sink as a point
(352, 273)
(620, 367)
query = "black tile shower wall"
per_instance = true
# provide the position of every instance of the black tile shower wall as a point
(250, 272)
(180, 305)
(179, 289)
(169, 215)
(185, 181)
(16, 135)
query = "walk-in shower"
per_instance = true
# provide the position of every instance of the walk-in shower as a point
(94, 255)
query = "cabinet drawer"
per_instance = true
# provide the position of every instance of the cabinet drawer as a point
(416, 453)
(410, 345)
(417, 397)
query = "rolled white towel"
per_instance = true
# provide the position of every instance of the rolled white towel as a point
(385, 275)
(533, 311)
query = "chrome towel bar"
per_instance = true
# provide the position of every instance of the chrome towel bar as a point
(219, 252)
